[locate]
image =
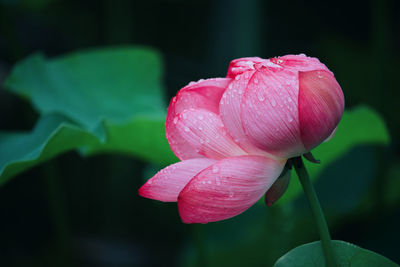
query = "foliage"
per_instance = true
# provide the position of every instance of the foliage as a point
(346, 255)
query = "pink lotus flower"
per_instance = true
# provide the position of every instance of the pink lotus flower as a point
(235, 134)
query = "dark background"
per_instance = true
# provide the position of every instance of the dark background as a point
(74, 211)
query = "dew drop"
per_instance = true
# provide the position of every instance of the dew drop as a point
(184, 115)
(260, 96)
(200, 128)
(230, 85)
(231, 192)
(255, 80)
(290, 118)
(150, 181)
(273, 102)
(209, 182)
(201, 117)
(175, 120)
(237, 78)
(215, 169)
(187, 129)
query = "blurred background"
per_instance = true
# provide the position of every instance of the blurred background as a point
(85, 211)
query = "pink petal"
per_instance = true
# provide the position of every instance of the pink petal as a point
(169, 182)
(227, 188)
(204, 94)
(269, 112)
(299, 63)
(204, 131)
(331, 135)
(241, 65)
(277, 189)
(321, 104)
(230, 111)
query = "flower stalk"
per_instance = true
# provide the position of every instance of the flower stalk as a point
(316, 211)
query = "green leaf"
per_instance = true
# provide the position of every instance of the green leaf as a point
(52, 135)
(359, 126)
(90, 87)
(143, 137)
(346, 255)
(112, 97)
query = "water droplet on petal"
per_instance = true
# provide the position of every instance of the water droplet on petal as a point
(175, 120)
(290, 118)
(201, 117)
(231, 192)
(255, 80)
(215, 169)
(184, 115)
(260, 96)
(273, 102)
(187, 129)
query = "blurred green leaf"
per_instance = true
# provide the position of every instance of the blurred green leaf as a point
(114, 94)
(359, 126)
(346, 255)
(52, 135)
(351, 175)
(111, 84)
(144, 137)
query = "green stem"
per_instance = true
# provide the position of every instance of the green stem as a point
(316, 211)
